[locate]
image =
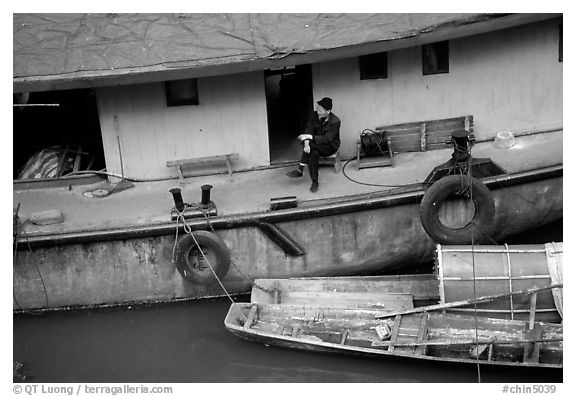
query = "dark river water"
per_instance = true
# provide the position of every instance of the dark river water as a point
(188, 343)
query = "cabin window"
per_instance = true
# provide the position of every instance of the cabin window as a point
(373, 66)
(182, 92)
(560, 43)
(435, 58)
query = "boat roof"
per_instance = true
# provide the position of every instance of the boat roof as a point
(68, 51)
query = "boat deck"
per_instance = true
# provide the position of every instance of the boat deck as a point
(251, 191)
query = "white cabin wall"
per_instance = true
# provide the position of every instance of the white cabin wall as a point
(231, 118)
(508, 80)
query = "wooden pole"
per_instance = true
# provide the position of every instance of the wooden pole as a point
(36, 105)
(467, 302)
(463, 342)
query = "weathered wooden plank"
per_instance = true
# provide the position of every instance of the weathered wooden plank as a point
(425, 135)
(202, 160)
(471, 301)
(421, 349)
(400, 132)
(533, 299)
(388, 301)
(437, 134)
(434, 124)
(534, 331)
(374, 162)
(422, 287)
(532, 349)
(405, 147)
(251, 316)
(395, 330)
(442, 126)
(463, 342)
(295, 330)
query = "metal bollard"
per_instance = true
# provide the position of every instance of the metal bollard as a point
(177, 196)
(206, 194)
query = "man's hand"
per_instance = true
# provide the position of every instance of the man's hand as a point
(304, 136)
(307, 146)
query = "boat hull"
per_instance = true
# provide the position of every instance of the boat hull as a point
(447, 337)
(364, 235)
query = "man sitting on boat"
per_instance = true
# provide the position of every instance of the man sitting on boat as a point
(321, 139)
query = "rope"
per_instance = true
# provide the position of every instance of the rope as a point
(17, 231)
(188, 230)
(372, 138)
(367, 184)
(469, 178)
(464, 168)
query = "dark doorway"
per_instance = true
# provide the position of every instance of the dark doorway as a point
(289, 104)
(55, 134)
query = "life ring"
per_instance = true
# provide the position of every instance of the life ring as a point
(478, 230)
(191, 263)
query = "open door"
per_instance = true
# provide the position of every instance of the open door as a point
(289, 104)
(56, 133)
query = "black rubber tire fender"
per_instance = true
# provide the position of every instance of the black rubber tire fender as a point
(215, 250)
(478, 230)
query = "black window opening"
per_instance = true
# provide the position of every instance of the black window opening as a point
(182, 92)
(435, 58)
(56, 134)
(560, 43)
(373, 66)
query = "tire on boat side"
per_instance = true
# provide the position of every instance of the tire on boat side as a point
(190, 262)
(478, 230)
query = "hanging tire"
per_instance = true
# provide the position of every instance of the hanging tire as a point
(192, 265)
(478, 230)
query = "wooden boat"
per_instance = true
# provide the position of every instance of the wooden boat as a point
(371, 292)
(420, 333)
(115, 260)
(460, 272)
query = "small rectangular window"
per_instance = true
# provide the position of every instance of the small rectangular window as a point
(182, 92)
(435, 58)
(373, 66)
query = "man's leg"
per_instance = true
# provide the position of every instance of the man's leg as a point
(317, 151)
(304, 158)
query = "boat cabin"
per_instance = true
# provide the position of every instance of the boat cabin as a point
(129, 93)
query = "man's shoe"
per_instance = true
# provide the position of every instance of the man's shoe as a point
(294, 173)
(314, 187)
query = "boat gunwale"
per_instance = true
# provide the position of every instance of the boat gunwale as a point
(347, 204)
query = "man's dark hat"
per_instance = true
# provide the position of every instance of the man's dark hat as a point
(326, 103)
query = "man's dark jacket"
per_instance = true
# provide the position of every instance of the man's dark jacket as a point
(327, 132)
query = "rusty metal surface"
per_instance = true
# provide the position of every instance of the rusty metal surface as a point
(140, 269)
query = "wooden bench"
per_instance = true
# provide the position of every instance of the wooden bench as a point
(333, 160)
(228, 158)
(415, 136)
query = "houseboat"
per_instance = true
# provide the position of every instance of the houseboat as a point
(139, 137)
